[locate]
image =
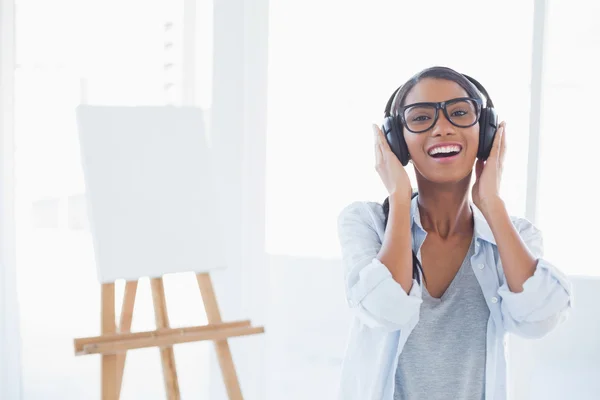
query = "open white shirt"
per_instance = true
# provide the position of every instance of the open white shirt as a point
(385, 314)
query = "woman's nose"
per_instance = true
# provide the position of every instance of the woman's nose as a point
(442, 126)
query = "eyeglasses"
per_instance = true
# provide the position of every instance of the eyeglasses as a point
(462, 112)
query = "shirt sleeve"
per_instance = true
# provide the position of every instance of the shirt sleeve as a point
(546, 299)
(371, 292)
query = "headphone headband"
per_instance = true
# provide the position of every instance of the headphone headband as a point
(388, 106)
(489, 103)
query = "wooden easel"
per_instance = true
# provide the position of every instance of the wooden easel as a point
(115, 340)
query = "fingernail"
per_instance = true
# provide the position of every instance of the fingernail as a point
(375, 129)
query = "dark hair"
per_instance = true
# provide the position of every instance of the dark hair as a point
(436, 73)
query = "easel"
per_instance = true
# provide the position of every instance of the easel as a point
(115, 340)
(136, 241)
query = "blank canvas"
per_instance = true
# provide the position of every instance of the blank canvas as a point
(150, 191)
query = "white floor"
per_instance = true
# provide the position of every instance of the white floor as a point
(560, 383)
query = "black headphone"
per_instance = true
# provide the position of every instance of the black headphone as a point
(488, 124)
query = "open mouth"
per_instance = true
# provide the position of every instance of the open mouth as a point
(445, 151)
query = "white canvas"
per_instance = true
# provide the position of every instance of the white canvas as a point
(150, 191)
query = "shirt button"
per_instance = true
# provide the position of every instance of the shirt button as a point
(494, 300)
(481, 266)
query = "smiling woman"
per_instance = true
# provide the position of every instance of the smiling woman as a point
(453, 270)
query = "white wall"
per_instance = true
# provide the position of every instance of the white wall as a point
(308, 326)
(10, 377)
(60, 268)
(238, 131)
(566, 363)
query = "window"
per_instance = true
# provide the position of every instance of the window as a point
(331, 74)
(125, 52)
(567, 205)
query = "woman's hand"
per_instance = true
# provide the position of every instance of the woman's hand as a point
(486, 190)
(390, 169)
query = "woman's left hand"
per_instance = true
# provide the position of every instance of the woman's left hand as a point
(486, 190)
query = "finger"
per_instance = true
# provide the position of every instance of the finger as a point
(478, 168)
(385, 146)
(378, 154)
(503, 144)
(377, 146)
(496, 144)
(499, 144)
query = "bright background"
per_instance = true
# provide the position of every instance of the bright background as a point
(303, 81)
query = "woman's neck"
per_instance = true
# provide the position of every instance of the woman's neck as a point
(445, 209)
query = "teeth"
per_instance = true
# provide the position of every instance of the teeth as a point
(444, 149)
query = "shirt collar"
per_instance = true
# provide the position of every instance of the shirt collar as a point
(481, 227)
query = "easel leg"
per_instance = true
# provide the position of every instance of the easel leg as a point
(109, 362)
(125, 326)
(221, 346)
(166, 353)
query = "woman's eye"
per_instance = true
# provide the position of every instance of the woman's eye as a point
(420, 118)
(459, 113)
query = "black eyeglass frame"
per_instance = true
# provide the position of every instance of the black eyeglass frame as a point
(437, 106)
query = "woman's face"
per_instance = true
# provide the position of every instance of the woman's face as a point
(431, 162)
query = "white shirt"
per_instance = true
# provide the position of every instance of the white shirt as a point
(385, 314)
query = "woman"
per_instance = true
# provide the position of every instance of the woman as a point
(436, 280)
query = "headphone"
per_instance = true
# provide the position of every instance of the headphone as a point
(488, 124)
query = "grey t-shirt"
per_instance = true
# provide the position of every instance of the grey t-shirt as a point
(444, 357)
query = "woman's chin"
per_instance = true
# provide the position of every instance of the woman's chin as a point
(443, 176)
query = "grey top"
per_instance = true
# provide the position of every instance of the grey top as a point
(444, 356)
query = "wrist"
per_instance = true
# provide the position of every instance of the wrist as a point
(400, 199)
(491, 206)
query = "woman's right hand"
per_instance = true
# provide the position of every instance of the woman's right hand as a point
(390, 169)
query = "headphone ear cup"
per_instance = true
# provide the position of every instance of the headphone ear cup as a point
(395, 138)
(488, 125)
